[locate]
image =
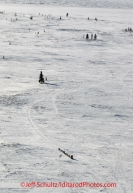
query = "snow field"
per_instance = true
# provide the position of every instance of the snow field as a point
(85, 107)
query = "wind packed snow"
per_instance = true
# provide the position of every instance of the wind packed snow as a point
(86, 105)
(120, 4)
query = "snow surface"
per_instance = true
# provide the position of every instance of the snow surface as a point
(119, 4)
(85, 107)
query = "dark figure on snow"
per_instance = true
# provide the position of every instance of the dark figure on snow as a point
(95, 37)
(87, 36)
(71, 156)
(60, 18)
(67, 15)
(95, 18)
(41, 79)
(88, 18)
(91, 36)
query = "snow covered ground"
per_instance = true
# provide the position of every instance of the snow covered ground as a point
(119, 4)
(85, 107)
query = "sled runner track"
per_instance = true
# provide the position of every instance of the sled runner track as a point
(57, 113)
(70, 141)
(57, 93)
(35, 127)
(82, 164)
(118, 168)
(120, 155)
(56, 109)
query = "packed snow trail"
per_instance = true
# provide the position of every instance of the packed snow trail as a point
(92, 123)
(35, 127)
(91, 171)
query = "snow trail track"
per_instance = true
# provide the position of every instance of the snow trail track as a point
(55, 147)
(85, 107)
(34, 126)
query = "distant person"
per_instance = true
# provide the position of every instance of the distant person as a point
(67, 15)
(95, 37)
(60, 18)
(92, 36)
(41, 79)
(87, 36)
(95, 18)
(88, 18)
(71, 156)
